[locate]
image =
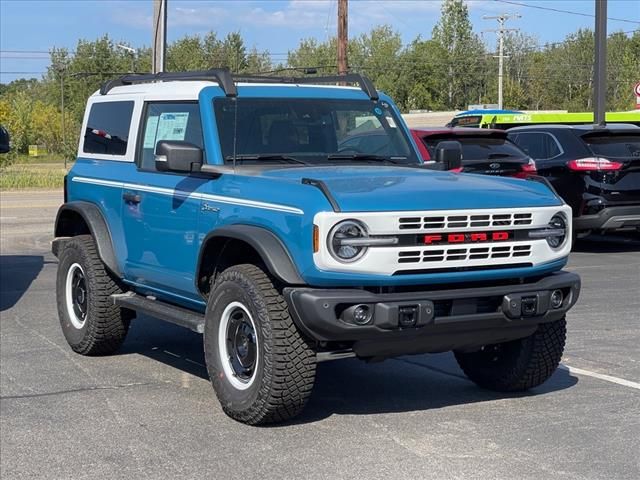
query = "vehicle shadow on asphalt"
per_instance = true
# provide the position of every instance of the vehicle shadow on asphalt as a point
(17, 272)
(344, 387)
(612, 243)
(406, 384)
(164, 342)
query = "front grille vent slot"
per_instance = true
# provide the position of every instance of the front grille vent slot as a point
(458, 254)
(464, 221)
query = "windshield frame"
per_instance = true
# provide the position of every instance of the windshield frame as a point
(411, 159)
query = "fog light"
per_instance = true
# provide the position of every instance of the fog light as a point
(362, 314)
(556, 299)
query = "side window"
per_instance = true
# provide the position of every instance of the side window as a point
(168, 121)
(538, 145)
(108, 128)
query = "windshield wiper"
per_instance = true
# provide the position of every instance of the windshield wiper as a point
(365, 157)
(266, 157)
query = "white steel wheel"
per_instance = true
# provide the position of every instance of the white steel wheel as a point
(238, 345)
(76, 295)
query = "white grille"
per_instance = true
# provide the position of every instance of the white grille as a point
(448, 254)
(413, 254)
(464, 221)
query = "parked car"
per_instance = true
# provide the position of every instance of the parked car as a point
(5, 144)
(596, 170)
(225, 205)
(487, 152)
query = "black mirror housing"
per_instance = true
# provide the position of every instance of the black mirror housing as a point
(449, 154)
(177, 156)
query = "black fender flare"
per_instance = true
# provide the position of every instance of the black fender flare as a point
(271, 249)
(95, 221)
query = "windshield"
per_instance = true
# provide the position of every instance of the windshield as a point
(618, 146)
(311, 131)
(474, 148)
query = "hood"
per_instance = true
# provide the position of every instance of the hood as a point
(382, 188)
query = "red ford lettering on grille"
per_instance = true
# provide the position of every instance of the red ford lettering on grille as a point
(471, 237)
(430, 239)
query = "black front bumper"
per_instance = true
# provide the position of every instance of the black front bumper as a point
(609, 218)
(441, 320)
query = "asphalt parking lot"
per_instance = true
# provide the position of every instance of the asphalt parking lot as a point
(149, 411)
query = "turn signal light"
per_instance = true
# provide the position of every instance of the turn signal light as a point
(593, 163)
(316, 239)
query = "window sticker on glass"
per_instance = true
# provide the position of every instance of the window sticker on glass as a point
(150, 132)
(172, 126)
(391, 121)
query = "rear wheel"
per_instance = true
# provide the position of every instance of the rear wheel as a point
(90, 321)
(261, 368)
(517, 365)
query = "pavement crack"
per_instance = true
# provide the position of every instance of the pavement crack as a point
(78, 390)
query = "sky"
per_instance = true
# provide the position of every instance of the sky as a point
(30, 28)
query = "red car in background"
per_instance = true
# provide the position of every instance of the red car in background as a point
(484, 151)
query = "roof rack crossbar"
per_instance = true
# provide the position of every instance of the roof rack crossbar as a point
(221, 75)
(227, 81)
(365, 84)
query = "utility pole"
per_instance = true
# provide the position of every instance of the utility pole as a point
(62, 126)
(502, 19)
(343, 36)
(600, 70)
(159, 35)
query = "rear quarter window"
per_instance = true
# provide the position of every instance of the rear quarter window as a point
(107, 130)
(538, 145)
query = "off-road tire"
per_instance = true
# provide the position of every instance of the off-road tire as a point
(517, 365)
(286, 362)
(106, 325)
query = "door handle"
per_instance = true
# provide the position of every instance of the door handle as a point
(130, 197)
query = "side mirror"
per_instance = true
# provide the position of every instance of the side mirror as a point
(176, 156)
(5, 144)
(449, 155)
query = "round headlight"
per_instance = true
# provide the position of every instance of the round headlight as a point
(557, 222)
(341, 239)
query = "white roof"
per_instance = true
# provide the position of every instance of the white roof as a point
(190, 89)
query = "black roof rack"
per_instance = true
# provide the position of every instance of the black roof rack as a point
(221, 75)
(227, 81)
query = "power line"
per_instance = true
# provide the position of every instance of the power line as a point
(558, 10)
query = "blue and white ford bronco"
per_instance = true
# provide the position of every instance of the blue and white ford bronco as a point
(290, 221)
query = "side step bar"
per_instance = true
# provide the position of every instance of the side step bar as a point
(160, 310)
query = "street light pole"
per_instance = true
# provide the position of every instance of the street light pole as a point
(159, 35)
(133, 52)
(600, 70)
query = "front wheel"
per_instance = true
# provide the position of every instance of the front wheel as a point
(261, 367)
(517, 365)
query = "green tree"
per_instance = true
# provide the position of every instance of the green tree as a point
(463, 53)
(422, 80)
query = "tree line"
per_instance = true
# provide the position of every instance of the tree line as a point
(449, 71)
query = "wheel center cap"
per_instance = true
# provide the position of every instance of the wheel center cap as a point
(243, 347)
